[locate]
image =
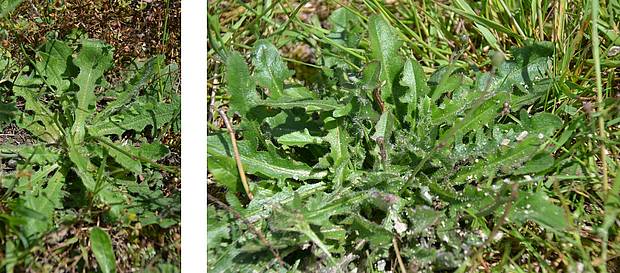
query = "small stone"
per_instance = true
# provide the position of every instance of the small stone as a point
(522, 136)
(613, 51)
(381, 265)
(498, 236)
(399, 226)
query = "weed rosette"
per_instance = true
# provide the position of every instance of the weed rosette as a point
(93, 179)
(379, 161)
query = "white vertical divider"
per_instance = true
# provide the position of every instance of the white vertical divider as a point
(193, 135)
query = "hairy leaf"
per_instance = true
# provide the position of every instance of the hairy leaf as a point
(7, 6)
(83, 166)
(384, 44)
(42, 122)
(270, 71)
(261, 206)
(45, 200)
(139, 116)
(299, 139)
(477, 117)
(539, 208)
(7, 112)
(224, 172)
(384, 127)
(101, 245)
(413, 77)
(538, 163)
(376, 235)
(346, 29)
(506, 160)
(37, 154)
(528, 69)
(308, 105)
(241, 86)
(264, 163)
(93, 60)
(53, 63)
(129, 157)
(450, 109)
(130, 89)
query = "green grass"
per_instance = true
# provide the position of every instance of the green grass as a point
(416, 136)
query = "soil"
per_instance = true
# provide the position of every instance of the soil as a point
(133, 28)
(11, 134)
